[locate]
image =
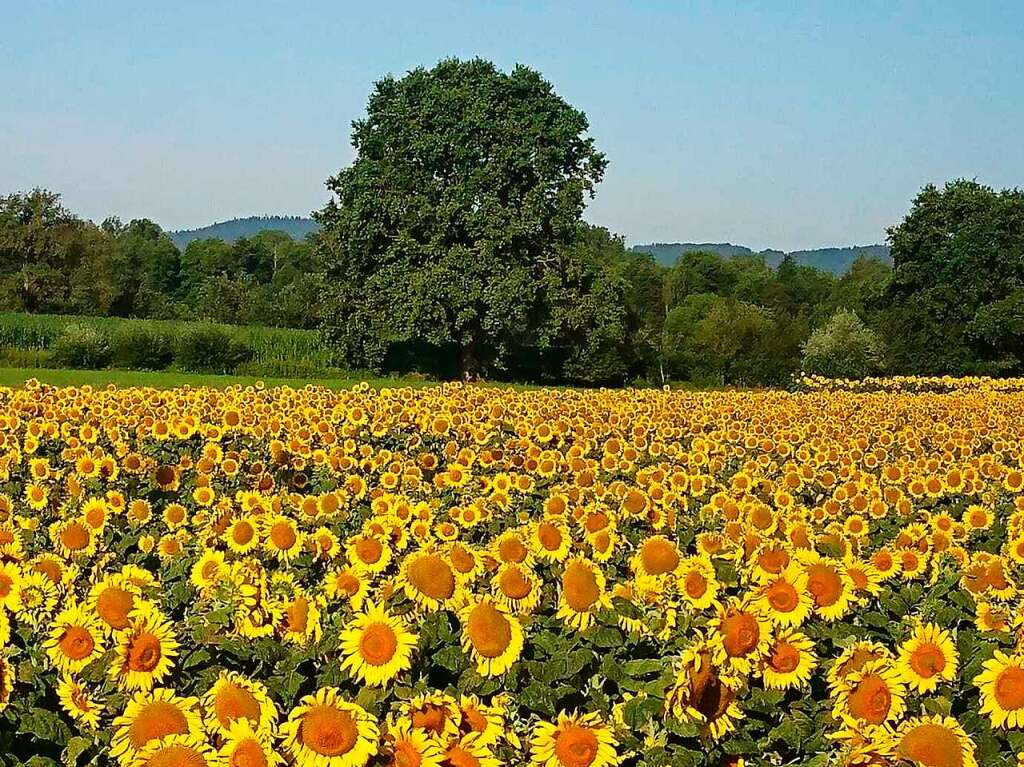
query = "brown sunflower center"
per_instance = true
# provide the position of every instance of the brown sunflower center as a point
(176, 755)
(232, 701)
(782, 596)
(282, 536)
(369, 550)
(328, 731)
(1009, 688)
(157, 720)
(514, 584)
(825, 584)
(76, 642)
(248, 753)
(785, 658)
(928, 660)
(740, 633)
(580, 586)
(113, 606)
(576, 746)
(871, 699)
(378, 644)
(489, 630)
(144, 653)
(931, 745)
(75, 537)
(431, 576)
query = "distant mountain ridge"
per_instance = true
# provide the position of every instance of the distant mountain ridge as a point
(835, 260)
(229, 231)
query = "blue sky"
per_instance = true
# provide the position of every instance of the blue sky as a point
(779, 124)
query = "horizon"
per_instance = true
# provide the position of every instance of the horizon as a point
(721, 124)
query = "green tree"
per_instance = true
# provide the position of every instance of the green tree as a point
(733, 337)
(959, 250)
(843, 348)
(444, 231)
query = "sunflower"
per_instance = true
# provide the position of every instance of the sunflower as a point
(7, 679)
(492, 635)
(209, 569)
(854, 658)
(573, 740)
(934, 741)
(435, 714)
(789, 662)
(76, 639)
(741, 635)
(36, 598)
(704, 693)
(582, 594)
(428, 579)
(466, 561)
(247, 747)
(177, 750)
(145, 651)
(242, 535)
(830, 586)
(300, 619)
(325, 730)
(511, 548)
(78, 703)
(10, 579)
(487, 722)
(368, 552)
(113, 600)
(784, 598)
(872, 696)
(283, 538)
(517, 587)
(348, 584)
(1002, 689)
(73, 538)
(697, 582)
(405, 746)
(927, 658)
(377, 646)
(234, 698)
(549, 540)
(150, 717)
(657, 555)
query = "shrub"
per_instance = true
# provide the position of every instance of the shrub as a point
(209, 349)
(142, 347)
(81, 346)
(843, 348)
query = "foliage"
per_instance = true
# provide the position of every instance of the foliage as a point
(465, 182)
(843, 348)
(138, 346)
(209, 349)
(82, 346)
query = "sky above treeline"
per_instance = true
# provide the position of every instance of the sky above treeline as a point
(785, 125)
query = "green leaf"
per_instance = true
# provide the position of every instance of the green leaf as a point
(75, 748)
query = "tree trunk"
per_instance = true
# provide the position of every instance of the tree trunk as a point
(469, 362)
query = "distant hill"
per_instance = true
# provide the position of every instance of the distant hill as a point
(835, 260)
(229, 231)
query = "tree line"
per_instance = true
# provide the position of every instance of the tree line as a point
(454, 246)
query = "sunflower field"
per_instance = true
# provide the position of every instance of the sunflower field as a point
(464, 576)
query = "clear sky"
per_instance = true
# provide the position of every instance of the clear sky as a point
(774, 124)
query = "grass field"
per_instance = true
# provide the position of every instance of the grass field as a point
(16, 377)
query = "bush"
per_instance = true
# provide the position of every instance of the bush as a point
(137, 346)
(209, 349)
(80, 346)
(843, 348)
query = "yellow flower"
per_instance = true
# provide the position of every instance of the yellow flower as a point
(1002, 689)
(76, 639)
(151, 717)
(491, 635)
(582, 594)
(78, 703)
(235, 699)
(934, 741)
(927, 658)
(789, 662)
(573, 741)
(377, 646)
(325, 730)
(145, 651)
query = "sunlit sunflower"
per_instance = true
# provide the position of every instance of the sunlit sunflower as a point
(325, 730)
(209, 570)
(113, 600)
(242, 535)
(7, 679)
(428, 579)
(145, 651)
(234, 698)
(377, 646)
(872, 696)
(300, 621)
(150, 717)
(75, 640)
(36, 598)
(10, 578)
(1002, 689)
(934, 741)
(704, 693)
(282, 538)
(405, 746)
(854, 658)
(175, 750)
(348, 584)
(487, 722)
(741, 635)
(517, 587)
(573, 740)
(927, 658)
(789, 661)
(492, 636)
(784, 598)
(468, 751)
(656, 555)
(76, 700)
(368, 552)
(73, 538)
(830, 586)
(550, 540)
(697, 582)
(247, 747)
(436, 714)
(582, 593)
